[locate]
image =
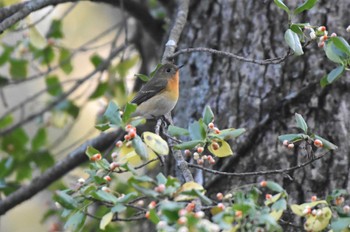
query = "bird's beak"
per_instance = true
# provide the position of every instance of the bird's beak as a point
(181, 66)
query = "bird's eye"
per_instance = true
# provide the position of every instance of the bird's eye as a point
(168, 70)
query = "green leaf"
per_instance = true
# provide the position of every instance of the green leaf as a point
(102, 126)
(307, 5)
(153, 216)
(281, 5)
(208, 115)
(69, 107)
(188, 145)
(123, 67)
(326, 144)
(6, 54)
(53, 85)
(119, 208)
(274, 186)
(6, 167)
(156, 143)
(281, 204)
(340, 224)
(90, 151)
(65, 200)
(96, 60)
(143, 77)
(293, 42)
(128, 110)
(337, 50)
(3, 81)
(334, 75)
(39, 139)
(43, 160)
(65, 61)
(104, 196)
(161, 179)
(140, 148)
(24, 171)
(229, 133)
(7, 120)
(106, 219)
(297, 29)
(146, 191)
(18, 69)
(197, 130)
(113, 115)
(177, 131)
(341, 44)
(55, 30)
(75, 221)
(99, 91)
(15, 143)
(301, 122)
(47, 55)
(292, 137)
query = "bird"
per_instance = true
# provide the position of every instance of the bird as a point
(160, 94)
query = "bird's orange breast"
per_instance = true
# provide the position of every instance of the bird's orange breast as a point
(172, 88)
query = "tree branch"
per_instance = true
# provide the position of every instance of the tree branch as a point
(74, 159)
(277, 60)
(14, 13)
(258, 173)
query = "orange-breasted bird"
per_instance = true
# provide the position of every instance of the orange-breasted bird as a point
(160, 94)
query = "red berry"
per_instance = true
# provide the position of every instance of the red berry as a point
(263, 183)
(119, 144)
(128, 127)
(200, 149)
(322, 28)
(188, 152)
(147, 214)
(107, 178)
(152, 205)
(182, 220)
(127, 137)
(96, 157)
(318, 143)
(190, 206)
(221, 206)
(238, 214)
(216, 130)
(113, 166)
(160, 188)
(132, 134)
(290, 146)
(219, 196)
(268, 196)
(314, 198)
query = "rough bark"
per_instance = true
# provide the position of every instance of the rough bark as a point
(264, 98)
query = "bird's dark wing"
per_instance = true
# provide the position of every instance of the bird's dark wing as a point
(150, 89)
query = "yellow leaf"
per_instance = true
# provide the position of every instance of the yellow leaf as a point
(156, 143)
(318, 223)
(36, 38)
(298, 209)
(276, 214)
(106, 219)
(215, 210)
(9, 2)
(223, 150)
(188, 187)
(128, 154)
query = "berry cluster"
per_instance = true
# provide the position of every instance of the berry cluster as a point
(199, 157)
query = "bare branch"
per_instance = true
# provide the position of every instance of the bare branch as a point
(277, 60)
(259, 173)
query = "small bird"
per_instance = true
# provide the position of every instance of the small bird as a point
(160, 94)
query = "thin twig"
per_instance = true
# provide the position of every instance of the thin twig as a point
(277, 60)
(258, 173)
(137, 167)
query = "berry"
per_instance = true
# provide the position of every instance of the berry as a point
(285, 143)
(81, 181)
(105, 189)
(188, 152)
(339, 200)
(113, 166)
(182, 212)
(211, 160)
(307, 210)
(318, 143)
(190, 207)
(219, 196)
(314, 198)
(312, 35)
(140, 203)
(348, 29)
(321, 44)
(263, 183)
(132, 134)
(160, 188)
(119, 144)
(221, 206)
(128, 127)
(114, 155)
(182, 220)
(147, 214)
(199, 214)
(152, 205)
(107, 178)
(322, 28)
(333, 35)
(204, 157)
(200, 149)
(211, 125)
(216, 130)
(291, 146)
(195, 156)
(346, 209)
(238, 214)
(96, 157)
(127, 137)
(268, 196)
(215, 146)
(314, 212)
(200, 161)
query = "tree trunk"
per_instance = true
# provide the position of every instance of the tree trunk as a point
(264, 98)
